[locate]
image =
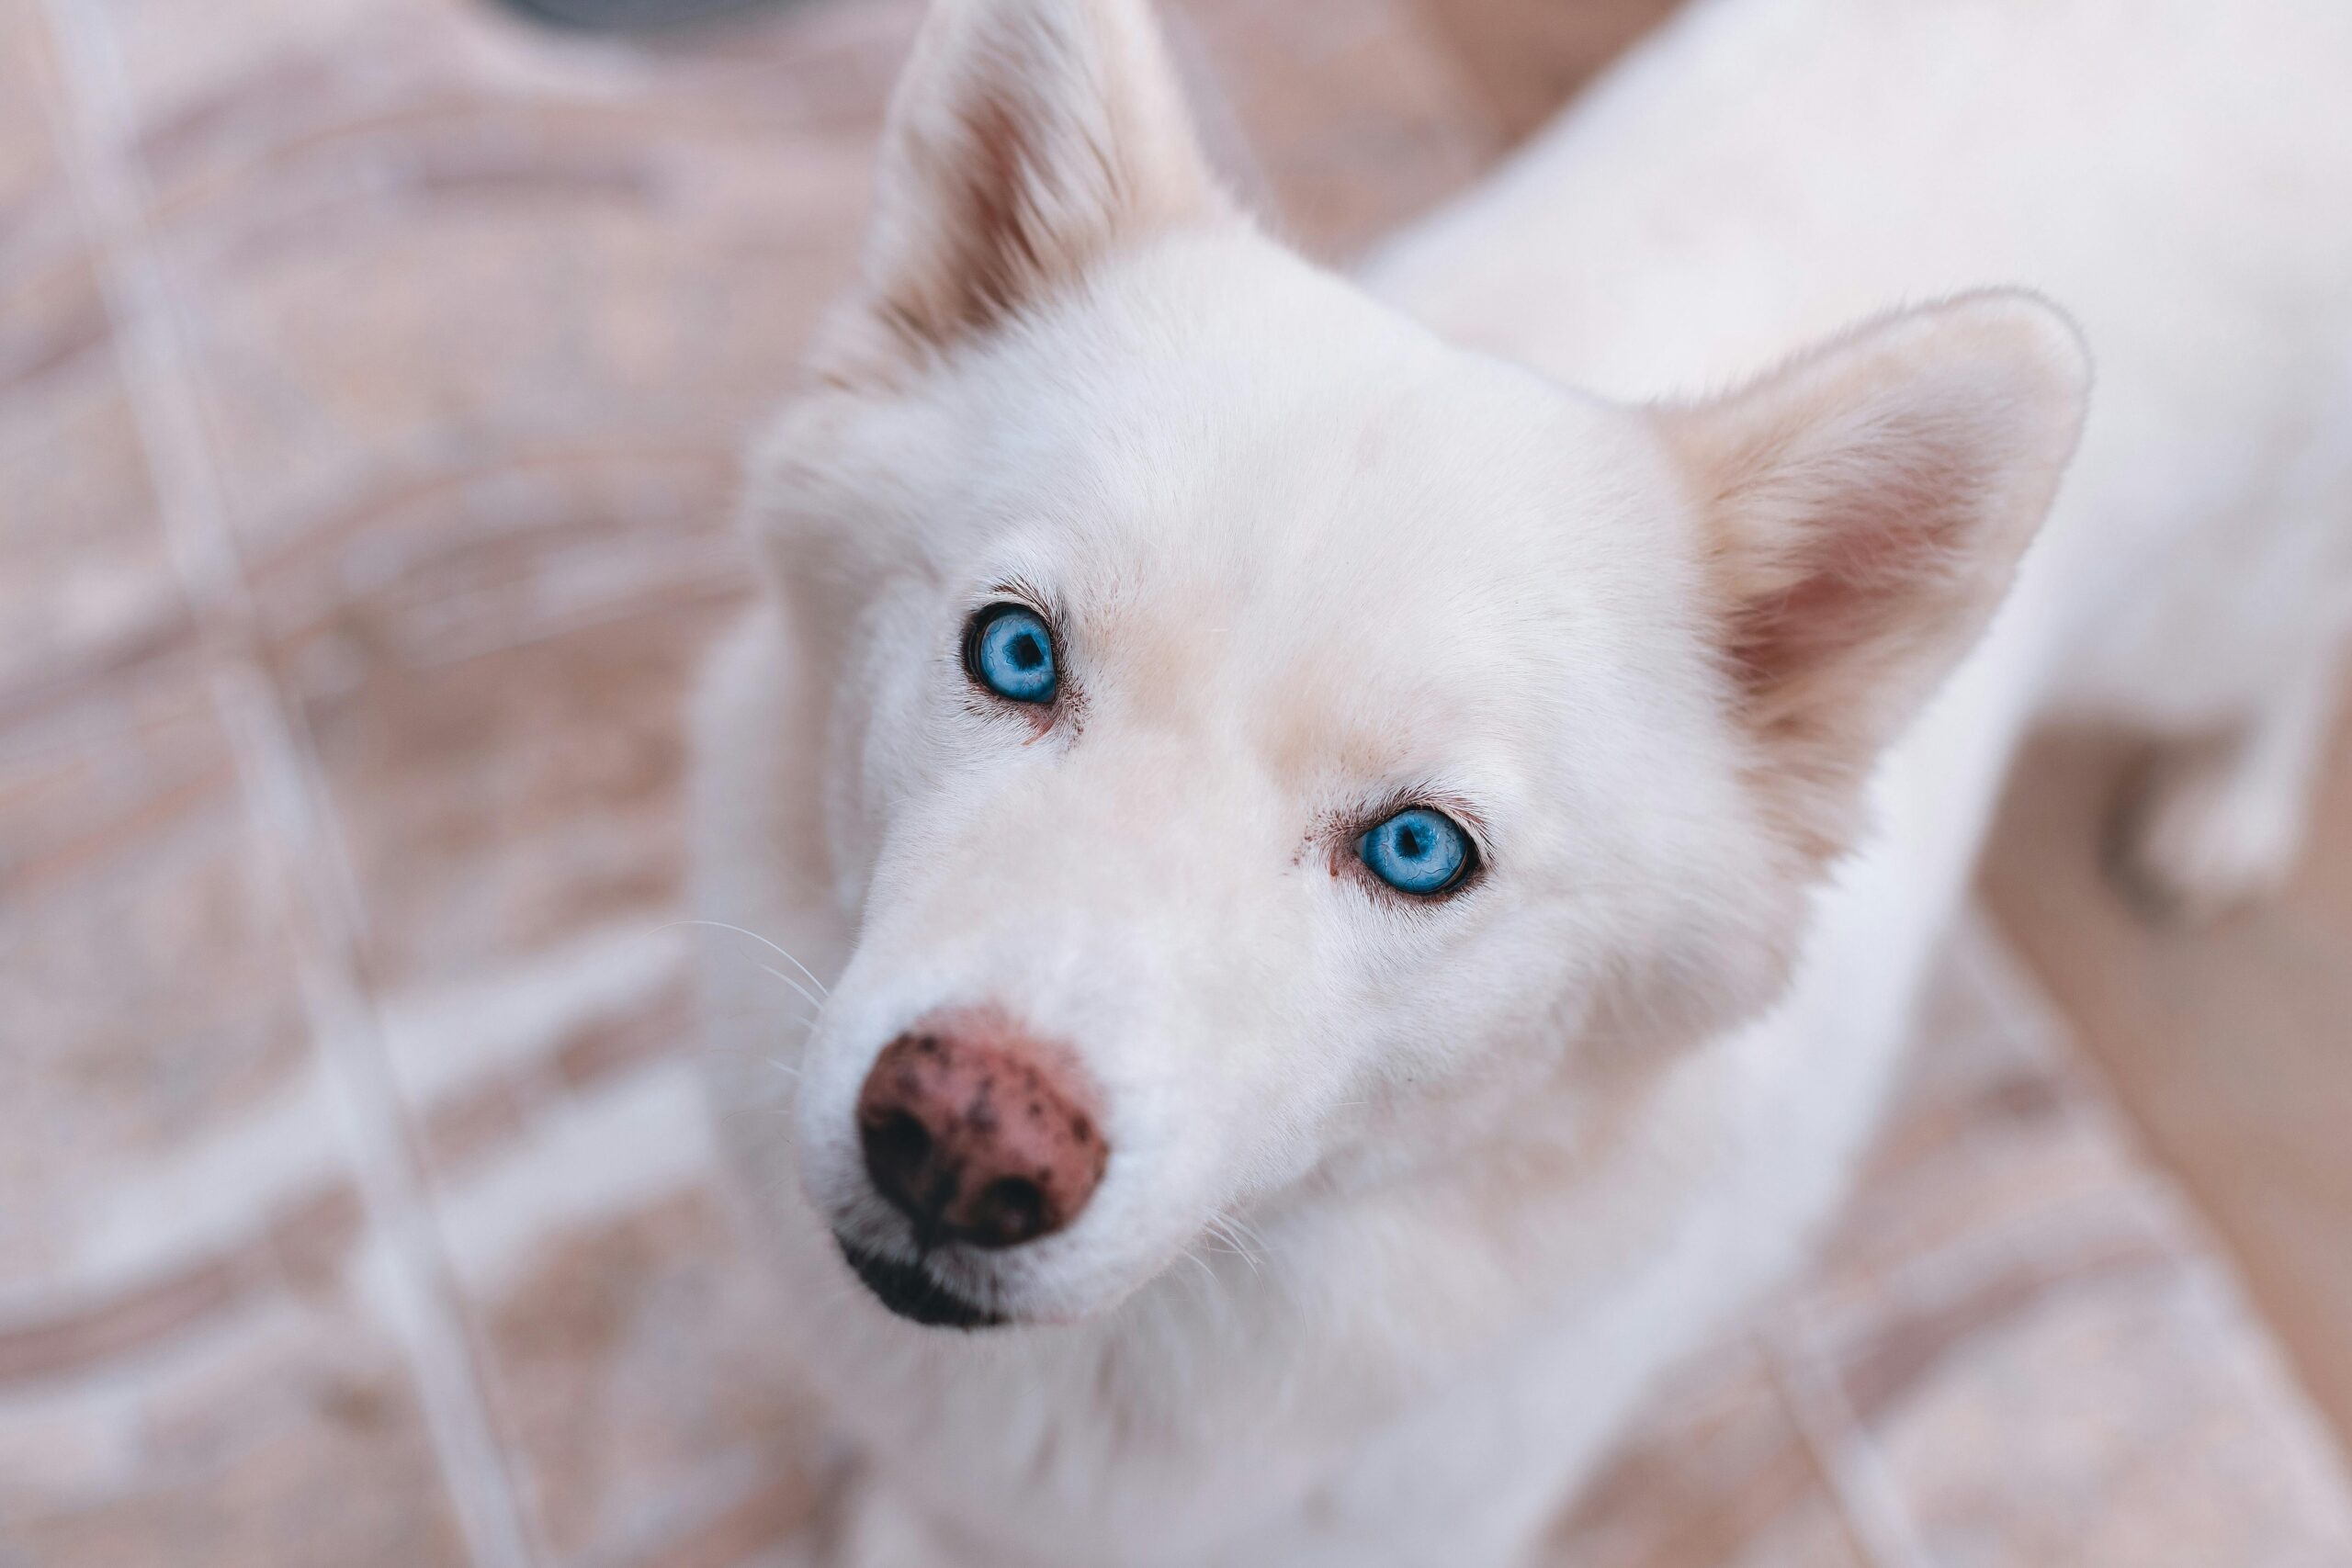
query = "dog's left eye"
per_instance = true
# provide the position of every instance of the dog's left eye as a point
(1418, 851)
(1009, 649)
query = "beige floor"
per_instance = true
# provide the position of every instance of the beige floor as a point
(371, 373)
(2231, 1048)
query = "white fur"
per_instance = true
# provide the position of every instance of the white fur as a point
(1495, 1160)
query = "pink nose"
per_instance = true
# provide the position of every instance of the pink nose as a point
(972, 1134)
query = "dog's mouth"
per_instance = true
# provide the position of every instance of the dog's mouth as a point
(909, 1291)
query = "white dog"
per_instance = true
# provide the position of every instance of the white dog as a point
(1254, 756)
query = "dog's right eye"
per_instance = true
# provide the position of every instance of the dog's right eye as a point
(1010, 649)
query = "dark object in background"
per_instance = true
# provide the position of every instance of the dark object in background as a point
(630, 16)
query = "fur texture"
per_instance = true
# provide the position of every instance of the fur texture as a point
(1405, 1200)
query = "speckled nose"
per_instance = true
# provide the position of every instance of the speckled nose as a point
(977, 1135)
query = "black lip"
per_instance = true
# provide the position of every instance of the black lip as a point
(909, 1289)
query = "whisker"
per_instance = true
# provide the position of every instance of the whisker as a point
(813, 1001)
(1222, 1228)
(1201, 1264)
(1249, 1231)
(772, 947)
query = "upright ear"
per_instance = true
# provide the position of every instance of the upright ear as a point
(1026, 141)
(1867, 506)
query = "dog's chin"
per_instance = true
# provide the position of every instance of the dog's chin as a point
(909, 1291)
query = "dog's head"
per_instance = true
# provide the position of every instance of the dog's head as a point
(1270, 748)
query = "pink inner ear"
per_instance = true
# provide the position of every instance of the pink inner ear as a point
(1030, 139)
(997, 250)
(1869, 504)
(1860, 578)
(987, 259)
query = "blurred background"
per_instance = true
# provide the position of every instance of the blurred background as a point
(372, 378)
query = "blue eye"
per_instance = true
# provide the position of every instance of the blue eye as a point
(1010, 651)
(1418, 851)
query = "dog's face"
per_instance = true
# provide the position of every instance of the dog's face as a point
(1271, 748)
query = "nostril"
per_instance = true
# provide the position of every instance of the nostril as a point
(1011, 1210)
(898, 1141)
(898, 1148)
